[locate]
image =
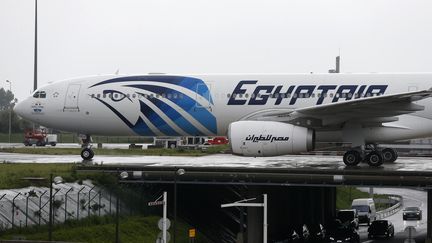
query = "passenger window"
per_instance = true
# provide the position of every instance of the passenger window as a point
(98, 95)
(134, 96)
(228, 95)
(246, 95)
(104, 95)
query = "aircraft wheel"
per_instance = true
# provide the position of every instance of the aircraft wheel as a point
(389, 155)
(374, 158)
(87, 154)
(351, 158)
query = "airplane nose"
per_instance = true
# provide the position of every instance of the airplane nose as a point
(19, 108)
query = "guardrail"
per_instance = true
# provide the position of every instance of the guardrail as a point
(391, 210)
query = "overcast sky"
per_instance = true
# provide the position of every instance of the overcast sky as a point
(87, 37)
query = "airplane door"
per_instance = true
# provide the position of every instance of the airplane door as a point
(202, 99)
(71, 99)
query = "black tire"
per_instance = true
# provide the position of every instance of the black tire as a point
(87, 154)
(352, 158)
(53, 144)
(374, 158)
(389, 155)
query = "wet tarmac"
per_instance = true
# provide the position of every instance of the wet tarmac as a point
(225, 160)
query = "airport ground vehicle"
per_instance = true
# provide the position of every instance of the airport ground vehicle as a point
(348, 217)
(412, 213)
(365, 209)
(216, 141)
(381, 229)
(340, 233)
(39, 137)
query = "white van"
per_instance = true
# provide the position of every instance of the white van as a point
(365, 209)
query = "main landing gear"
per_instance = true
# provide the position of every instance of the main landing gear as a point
(87, 152)
(370, 154)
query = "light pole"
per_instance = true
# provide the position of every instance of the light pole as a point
(123, 175)
(244, 203)
(178, 172)
(10, 110)
(55, 180)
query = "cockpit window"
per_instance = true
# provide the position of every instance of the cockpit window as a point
(39, 94)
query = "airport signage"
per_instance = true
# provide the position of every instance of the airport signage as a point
(157, 203)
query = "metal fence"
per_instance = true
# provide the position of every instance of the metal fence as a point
(395, 200)
(30, 206)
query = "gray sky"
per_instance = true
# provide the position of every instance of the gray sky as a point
(87, 37)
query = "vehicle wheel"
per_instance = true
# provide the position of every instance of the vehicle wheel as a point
(374, 158)
(87, 154)
(38, 143)
(26, 143)
(389, 155)
(351, 158)
(53, 144)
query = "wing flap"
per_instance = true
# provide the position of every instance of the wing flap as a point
(380, 108)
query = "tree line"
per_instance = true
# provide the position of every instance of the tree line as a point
(7, 102)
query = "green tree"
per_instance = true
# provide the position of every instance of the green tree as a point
(7, 99)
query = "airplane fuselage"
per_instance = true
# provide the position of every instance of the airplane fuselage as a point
(205, 105)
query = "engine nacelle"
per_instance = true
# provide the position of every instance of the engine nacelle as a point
(268, 138)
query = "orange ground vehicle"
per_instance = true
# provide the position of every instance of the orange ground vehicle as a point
(217, 141)
(39, 137)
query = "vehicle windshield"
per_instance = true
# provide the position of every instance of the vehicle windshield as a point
(361, 208)
(379, 224)
(39, 94)
(346, 216)
(412, 209)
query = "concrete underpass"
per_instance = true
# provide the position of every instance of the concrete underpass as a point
(295, 196)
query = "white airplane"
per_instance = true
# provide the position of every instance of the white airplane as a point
(263, 115)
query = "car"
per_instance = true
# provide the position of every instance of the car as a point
(381, 229)
(412, 213)
(291, 237)
(317, 232)
(348, 217)
(341, 233)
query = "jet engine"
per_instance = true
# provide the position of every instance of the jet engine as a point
(269, 138)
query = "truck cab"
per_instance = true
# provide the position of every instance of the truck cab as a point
(365, 208)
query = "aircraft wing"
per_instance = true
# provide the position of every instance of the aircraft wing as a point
(369, 110)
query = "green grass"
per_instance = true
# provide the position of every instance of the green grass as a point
(345, 195)
(11, 174)
(102, 229)
(156, 151)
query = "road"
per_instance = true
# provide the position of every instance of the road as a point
(411, 197)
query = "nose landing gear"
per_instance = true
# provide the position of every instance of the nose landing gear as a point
(87, 152)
